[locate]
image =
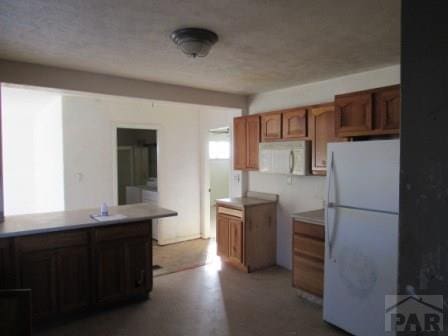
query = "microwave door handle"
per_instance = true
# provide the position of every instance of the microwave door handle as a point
(291, 161)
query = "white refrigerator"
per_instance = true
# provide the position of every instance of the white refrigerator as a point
(361, 251)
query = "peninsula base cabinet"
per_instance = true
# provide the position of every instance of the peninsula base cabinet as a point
(78, 270)
(246, 238)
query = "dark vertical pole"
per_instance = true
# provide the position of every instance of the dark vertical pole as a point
(2, 212)
(423, 262)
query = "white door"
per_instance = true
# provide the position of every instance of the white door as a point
(360, 269)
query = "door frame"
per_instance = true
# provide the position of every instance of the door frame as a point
(206, 228)
(115, 127)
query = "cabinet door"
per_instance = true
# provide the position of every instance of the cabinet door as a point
(387, 105)
(252, 141)
(271, 126)
(322, 131)
(222, 235)
(139, 266)
(236, 239)
(353, 114)
(111, 272)
(38, 273)
(73, 278)
(239, 143)
(295, 124)
(5, 269)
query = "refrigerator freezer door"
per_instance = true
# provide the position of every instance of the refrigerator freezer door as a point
(362, 269)
(364, 174)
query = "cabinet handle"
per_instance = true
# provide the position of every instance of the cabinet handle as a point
(140, 280)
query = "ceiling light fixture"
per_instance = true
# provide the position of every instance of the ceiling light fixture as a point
(194, 42)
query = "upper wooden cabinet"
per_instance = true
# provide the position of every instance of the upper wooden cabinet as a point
(246, 137)
(252, 141)
(387, 102)
(295, 124)
(322, 131)
(239, 143)
(368, 113)
(353, 114)
(271, 126)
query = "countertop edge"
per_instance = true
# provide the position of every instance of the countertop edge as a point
(82, 226)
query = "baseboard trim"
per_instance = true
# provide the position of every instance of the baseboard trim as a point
(178, 240)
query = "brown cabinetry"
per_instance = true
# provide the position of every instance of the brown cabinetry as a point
(110, 258)
(387, 102)
(308, 257)
(123, 259)
(252, 141)
(73, 276)
(295, 124)
(322, 131)
(246, 138)
(271, 126)
(368, 113)
(75, 270)
(246, 237)
(239, 143)
(6, 273)
(38, 272)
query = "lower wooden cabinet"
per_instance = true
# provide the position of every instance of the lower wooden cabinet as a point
(73, 276)
(139, 272)
(39, 272)
(6, 272)
(76, 270)
(246, 237)
(124, 269)
(308, 257)
(111, 272)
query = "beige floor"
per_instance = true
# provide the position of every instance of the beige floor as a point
(182, 256)
(210, 300)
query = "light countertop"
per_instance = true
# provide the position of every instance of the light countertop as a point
(22, 225)
(241, 202)
(313, 217)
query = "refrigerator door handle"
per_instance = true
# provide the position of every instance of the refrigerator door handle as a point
(329, 204)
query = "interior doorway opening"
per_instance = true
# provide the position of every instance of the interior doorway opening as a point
(219, 169)
(137, 167)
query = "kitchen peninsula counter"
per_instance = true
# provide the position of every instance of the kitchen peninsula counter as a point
(73, 263)
(20, 225)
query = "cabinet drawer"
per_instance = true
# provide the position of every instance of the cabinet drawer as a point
(122, 231)
(230, 212)
(309, 246)
(52, 241)
(312, 230)
(308, 275)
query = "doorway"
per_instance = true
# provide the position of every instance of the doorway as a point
(137, 167)
(219, 168)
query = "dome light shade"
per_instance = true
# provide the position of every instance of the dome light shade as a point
(194, 42)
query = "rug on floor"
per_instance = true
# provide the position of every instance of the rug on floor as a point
(182, 256)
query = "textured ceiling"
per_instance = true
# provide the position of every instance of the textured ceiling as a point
(264, 44)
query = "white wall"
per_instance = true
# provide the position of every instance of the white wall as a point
(32, 151)
(306, 193)
(89, 125)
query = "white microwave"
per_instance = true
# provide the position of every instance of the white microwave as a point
(287, 157)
